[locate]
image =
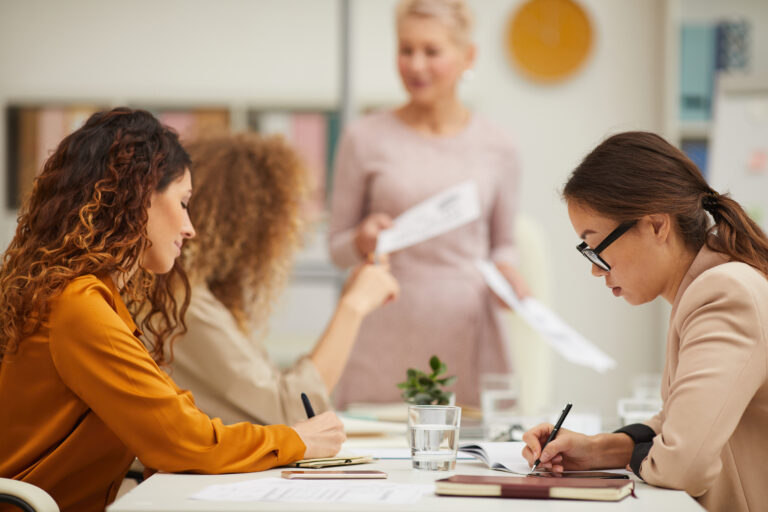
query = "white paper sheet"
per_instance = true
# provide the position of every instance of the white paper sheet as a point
(326, 491)
(563, 338)
(439, 214)
(396, 453)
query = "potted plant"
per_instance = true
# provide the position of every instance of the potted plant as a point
(421, 388)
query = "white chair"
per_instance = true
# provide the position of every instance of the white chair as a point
(531, 355)
(27, 497)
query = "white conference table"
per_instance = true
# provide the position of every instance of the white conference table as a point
(164, 492)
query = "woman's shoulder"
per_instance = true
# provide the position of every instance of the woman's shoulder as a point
(372, 124)
(731, 281)
(205, 307)
(86, 301)
(493, 134)
(202, 297)
(736, 272)
(88, 288)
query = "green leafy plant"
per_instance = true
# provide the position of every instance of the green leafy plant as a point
(427, 389)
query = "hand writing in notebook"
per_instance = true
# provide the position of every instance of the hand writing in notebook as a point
(569, 451)
(572, 451)
(322, 435)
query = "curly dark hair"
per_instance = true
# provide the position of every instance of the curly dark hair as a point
(87, 214)
(247, 212)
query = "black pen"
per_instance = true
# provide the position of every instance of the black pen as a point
(552, 434)
(307, 405)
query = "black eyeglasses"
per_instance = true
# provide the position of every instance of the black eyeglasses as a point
(593, 255)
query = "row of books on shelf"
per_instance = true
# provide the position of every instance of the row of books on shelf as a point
(34, 131)
(707, 49)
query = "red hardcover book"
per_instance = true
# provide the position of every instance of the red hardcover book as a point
(535, 487)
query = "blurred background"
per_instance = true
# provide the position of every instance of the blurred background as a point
(695, 71)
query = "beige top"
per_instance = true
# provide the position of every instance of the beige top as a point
(231, 374)
(445, 307)
(712, 433)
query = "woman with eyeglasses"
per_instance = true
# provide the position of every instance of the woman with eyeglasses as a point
(658, 229)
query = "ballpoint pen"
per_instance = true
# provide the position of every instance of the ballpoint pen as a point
(552, 434)
(307, 405)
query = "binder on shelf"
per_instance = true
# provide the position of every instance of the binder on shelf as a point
(697, 68)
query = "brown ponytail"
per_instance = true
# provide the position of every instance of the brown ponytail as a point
(736, 234)
(634, 174)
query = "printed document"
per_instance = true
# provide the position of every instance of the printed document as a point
(327, 491)
(439, 214)
(563, 338)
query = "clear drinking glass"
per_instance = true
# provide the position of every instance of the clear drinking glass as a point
(499, 402)
(637, 410)
(433, 434)
(647, 385)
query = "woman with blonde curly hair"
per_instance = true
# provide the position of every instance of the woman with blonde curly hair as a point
(248, 215)
(80, 395)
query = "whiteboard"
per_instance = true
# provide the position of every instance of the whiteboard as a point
(739, 154)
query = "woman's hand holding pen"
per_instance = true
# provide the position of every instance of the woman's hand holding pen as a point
(368, 287)
(568, 451)
(368, 232)
(323, 435)
(572, 451)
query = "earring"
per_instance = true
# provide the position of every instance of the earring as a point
(468, 74)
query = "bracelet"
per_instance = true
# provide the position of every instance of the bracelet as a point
(642, 435)
(638, 432)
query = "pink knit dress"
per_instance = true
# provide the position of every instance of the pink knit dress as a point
(445, 307)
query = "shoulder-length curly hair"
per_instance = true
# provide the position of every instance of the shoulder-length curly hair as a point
(246, 211)
(87, 214)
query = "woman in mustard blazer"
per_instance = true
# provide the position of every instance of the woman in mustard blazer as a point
(80, 395)
(643, 211)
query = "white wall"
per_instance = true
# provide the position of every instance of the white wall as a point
(285, 51)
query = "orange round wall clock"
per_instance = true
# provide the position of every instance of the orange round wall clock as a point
(549, 39)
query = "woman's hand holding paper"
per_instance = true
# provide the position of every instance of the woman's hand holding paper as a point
(368, 287)
(515, 279)
(368, 232)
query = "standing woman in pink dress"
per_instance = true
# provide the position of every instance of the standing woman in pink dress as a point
(388, 162)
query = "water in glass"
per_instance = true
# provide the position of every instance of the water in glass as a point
(433, 447)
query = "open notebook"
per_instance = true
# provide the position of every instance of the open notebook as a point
(509, 457)
(501, 456)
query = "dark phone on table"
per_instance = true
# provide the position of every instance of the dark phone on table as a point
(579, 474)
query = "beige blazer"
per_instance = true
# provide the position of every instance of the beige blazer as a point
(231, 375)
(712, 433)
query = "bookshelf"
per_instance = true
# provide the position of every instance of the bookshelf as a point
(34, 128)
(705, 40)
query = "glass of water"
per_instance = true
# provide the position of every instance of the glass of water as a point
(499, 402)
(433, 434)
